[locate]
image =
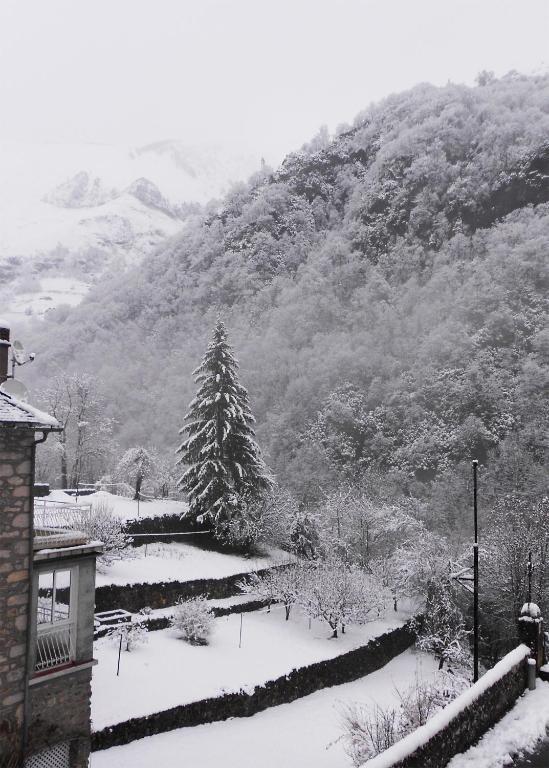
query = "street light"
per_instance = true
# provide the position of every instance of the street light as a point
(475, 575)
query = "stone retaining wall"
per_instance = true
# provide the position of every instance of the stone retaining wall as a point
(134, 597)
(464, 721)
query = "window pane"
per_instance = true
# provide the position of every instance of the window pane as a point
(45, 598)
(62, 595)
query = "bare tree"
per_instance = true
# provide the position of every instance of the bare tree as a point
(341, 594)
(83, 447)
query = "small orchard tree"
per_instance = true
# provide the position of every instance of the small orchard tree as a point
(133, 635)
(136, 465)
(281, 585)
(341, 594)
(224, 469)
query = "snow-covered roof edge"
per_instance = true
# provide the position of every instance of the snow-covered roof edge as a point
(17, 412)
(418, 738)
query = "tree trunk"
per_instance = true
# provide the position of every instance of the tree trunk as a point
(441, 663)
(138, 482)
(288, 608)
(64, 470)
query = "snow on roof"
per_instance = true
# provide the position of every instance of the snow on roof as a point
(16, 413)
(418, 738)
(4, 323)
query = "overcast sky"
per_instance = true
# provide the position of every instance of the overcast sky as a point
(263, 74)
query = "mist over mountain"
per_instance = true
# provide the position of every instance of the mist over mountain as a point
(385, 292)
(72, 213)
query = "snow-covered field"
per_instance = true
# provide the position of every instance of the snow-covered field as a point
(518, 732)
(50, 293)
(167, 671)
(304, 733)
(182, 562)
(124, 507)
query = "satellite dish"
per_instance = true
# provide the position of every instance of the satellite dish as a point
(15, 388)
(18, 352)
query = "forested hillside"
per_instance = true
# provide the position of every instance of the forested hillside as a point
(385, 293)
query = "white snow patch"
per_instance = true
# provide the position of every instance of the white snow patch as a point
(518, 732)
(182, 562)
(127, 509)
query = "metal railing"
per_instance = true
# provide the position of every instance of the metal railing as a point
(46, 614)
(54, 645)
(59, 514)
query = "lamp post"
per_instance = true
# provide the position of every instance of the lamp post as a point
(475, 575)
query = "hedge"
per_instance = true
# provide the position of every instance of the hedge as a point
(134, 597)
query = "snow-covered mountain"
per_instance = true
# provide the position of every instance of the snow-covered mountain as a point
(69, 213)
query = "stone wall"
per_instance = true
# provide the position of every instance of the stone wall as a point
(60, 711)
(464, 721)
(134, 597)
(16, 448)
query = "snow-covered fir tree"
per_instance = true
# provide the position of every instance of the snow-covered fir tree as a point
(225, 471)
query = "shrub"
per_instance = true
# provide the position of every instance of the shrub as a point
(369, 730)
(101, 524)
(194, 619)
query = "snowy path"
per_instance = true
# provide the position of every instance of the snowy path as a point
(290, 735)
(519, 731)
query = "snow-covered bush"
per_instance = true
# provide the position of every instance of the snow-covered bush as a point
(133, 635)
(194, 619)
(368, 730)
(442, 628)
(101, 524)
(371, 729)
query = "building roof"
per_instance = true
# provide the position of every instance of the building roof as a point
(15, 413)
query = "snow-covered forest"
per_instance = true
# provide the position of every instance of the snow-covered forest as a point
(385, 292)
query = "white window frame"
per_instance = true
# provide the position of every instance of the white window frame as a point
(49, 635)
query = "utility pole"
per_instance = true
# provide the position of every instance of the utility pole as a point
(529, 578)
(475, 575)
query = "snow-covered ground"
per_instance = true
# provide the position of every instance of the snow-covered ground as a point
(49, 293)
(518, 732)
(304, 733)
(182, 562)
(167, 671)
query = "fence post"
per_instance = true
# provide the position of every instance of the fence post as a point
(530, 632)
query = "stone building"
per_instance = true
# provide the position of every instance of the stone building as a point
(47, 585)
